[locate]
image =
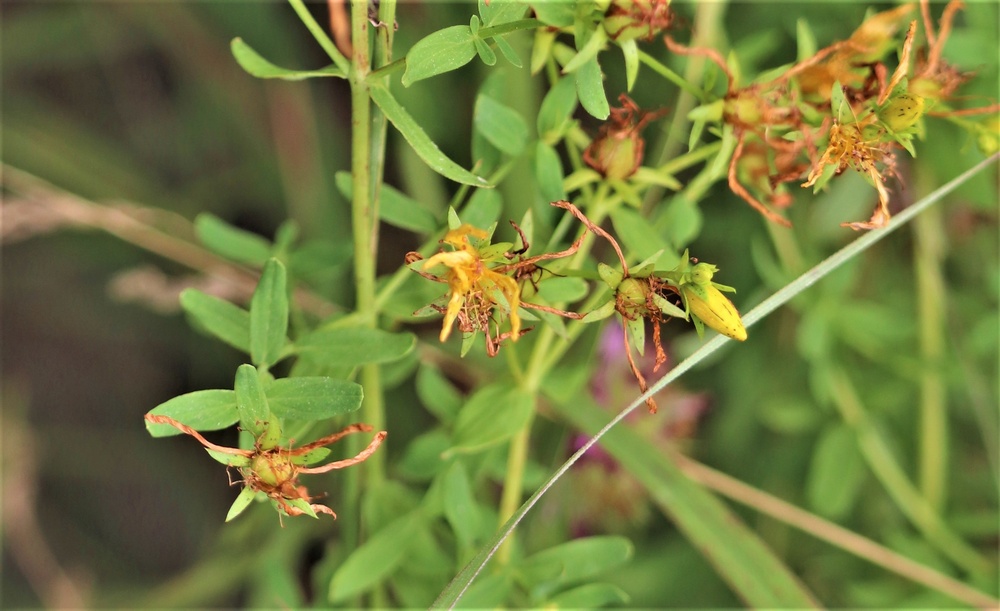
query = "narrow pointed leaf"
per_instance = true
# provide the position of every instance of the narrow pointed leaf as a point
(420, 141)
(250, 400)
(231, 242)
(255, 65)
(269, 315)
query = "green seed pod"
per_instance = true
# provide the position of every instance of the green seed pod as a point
(902, 112)
(713, 309)
(632, 295)
(273, 469)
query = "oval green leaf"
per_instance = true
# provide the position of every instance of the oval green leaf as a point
(376, 559)
(226, 321)
(350, 347)
(440, 52)
(590, 89)
(576, 560)
(501, 125)
(313, 398)
(492, 415)
(250, 400)
(269, 315)
(231, 242)
(836, 473)
(202, 410)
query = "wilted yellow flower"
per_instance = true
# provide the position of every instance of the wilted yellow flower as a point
(473, 285)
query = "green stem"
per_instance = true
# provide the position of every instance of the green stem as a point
(364, 222)
(708, 30)
(928, 255)
(538, 365)
(324, 41)
(883, 464)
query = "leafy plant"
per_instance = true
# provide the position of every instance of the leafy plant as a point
(810, 406)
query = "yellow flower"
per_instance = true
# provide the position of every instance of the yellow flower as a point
(473, 286)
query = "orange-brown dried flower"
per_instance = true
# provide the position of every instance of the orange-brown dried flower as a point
(617, 151)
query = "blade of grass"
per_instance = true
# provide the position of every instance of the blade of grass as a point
(833, 534)
(755, 574)
(454, 591)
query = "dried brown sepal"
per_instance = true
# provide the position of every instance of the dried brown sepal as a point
(275, 472)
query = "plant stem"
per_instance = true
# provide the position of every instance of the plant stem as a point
(833, 534)
(883, 464)
(928, 254)
(363, 221)
(538, 366)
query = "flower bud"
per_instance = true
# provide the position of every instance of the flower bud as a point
(713, 309)
(617, 150)
(273, 468)
(631, 19)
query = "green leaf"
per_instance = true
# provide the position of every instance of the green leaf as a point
(563, 290)
(591, 595)
(440, 52)
(395, 207)
(556, 110)
(805, 40)
(508, 51)
(556, 13)
(242, 501)
(574, 561)
(489, 592)
(483, 208)
(269, 315)
(836, 473)
(501, 125)
(226, 321)
(202, 410)
(376, 559)
(257, 66)
(738, 555)
(607, 309)
(492, 415)
(313, 398)
(590, 90)
(484, 51)
(251, 401)
(587, 53)
(460, 507)
(636, 233)
(421, 143)
(421, 459)
(437, 394)
(231, 242)
(683, 221)
(230, 460)
(631, 51)
(496, 12)
(354, 346)
(636, 331)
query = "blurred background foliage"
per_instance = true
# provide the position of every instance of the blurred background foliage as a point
(143, 103)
